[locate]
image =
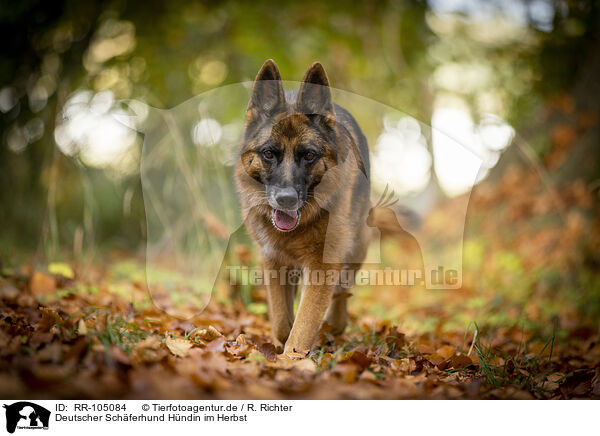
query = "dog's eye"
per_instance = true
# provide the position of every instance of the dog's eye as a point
(268, 154)
(309, 156)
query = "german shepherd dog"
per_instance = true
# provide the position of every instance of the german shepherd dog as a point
(303, 179)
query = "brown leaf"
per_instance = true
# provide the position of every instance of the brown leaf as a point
(214, 332)
(218, 345)
(42, 284)
(556, 377)
(208, 334)
(440, 361)
(395, 337)
(49, 319)
(348, 371)
(446, 351)
(239, 350)
(550, 386)
(582, 388)
(149, 350)
(325, 361)
(368, 376)
(151, 341)
(269, 350)
(426, 349)
(460, 361)
(177, 346)
(357, 357)
(404, 365)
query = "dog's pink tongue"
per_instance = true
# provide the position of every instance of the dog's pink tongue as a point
(286, 220)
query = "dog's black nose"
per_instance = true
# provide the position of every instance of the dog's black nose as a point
(287, 198)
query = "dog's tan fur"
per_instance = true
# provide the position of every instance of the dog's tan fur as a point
(333, 217)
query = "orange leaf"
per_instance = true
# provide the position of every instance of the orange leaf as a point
(355, 356)
(42, 284)
(426, 349)
(446, 351)
(438, 360)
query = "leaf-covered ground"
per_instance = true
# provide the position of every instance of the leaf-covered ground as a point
(524, 326)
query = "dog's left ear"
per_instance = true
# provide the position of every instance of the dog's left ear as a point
(314, 96)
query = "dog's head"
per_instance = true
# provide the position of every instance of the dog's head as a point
(288, 146)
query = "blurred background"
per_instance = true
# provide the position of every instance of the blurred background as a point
(516, 82)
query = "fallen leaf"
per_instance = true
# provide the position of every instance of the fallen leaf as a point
(269, 350)
(549, 386)
(49, 319)
(208, 334)
(446, 351)
(348, 371)
(357, 357)
(42, 284)
(61, 268)
(216, 345)
(179, 347)
(151, 341)
(460, 361)
(239, 350)
(556, 377)
(368, 376)
(440, 361)
(82, 328)
(404, 365)
(214, 332)
(426, 349)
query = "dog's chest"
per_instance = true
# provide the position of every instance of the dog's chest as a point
(293, 249)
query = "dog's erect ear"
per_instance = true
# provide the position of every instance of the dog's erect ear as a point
(314, 96)
(267, 93)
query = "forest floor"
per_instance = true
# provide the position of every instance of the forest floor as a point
(523, 326)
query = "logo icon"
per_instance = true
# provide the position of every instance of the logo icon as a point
(26, 415)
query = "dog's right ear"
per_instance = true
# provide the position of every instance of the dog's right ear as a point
(268, 97)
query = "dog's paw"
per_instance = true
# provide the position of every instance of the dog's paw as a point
(292, 353)
(297, 360)
(278, 345)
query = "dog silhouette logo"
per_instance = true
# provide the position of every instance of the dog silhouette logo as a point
(26, 415)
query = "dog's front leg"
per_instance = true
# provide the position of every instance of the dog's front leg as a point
(313, 305)
(280, 297)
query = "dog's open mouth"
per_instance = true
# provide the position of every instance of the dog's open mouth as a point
(285, 221)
